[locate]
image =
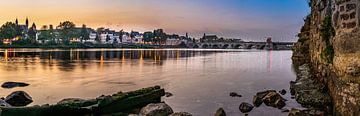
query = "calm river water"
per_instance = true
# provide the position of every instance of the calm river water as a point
(200, 80)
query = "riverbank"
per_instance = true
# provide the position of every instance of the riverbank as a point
(80, 46)
(332, 52)
(199, 79)
(145, 102)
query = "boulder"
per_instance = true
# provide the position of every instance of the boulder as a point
(106, 105)
(10, 85)
(70, 100)
(313, 98)
(292, 85)
(181, 114)
(133, 115)
(233, 94)
(282, 92)
(306, 112)
(4, 104)
(245, 107)
(168, 94)
(220, 112)
(258, 98)
(19, 98)
(159, 109)
(274, 99)
(285, 110)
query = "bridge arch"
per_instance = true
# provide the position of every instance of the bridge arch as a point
(238, 46)
(205, 46)
(225, 46)
(262, 47)
(215, 46)
(196, 46)
(250, 46)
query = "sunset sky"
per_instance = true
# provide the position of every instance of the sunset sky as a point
(246, 19)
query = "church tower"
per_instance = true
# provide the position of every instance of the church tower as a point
(17, 21)
(27, 22)
(33, 26)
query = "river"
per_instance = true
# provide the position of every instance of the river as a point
(200, 79)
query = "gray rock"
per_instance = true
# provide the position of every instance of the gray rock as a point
(285, 110)
(220, 112)
(19, 98)
(282, 92)
(133, 115)
(307, 91)
(4, 104)
(258, 98)
(10, 85)
(245, 107)
(313, 97)
(233, 94)
(159, 109)
(168, 94)
(274, 99)
(181, 114)
(306, 112)
(70, 100)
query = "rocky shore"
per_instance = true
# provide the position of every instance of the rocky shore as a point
(328, 46)
(116, 104)
(147, 102)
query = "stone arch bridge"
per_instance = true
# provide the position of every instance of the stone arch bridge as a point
(244, 45)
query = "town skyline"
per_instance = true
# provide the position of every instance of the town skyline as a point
(230, 19)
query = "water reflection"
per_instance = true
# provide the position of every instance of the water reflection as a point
(199, 79)
(67, 60)
(157, 56)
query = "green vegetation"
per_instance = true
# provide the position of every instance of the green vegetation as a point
(327, 32)
(8, 30)
(67, 31)
(303, 39)
(328, 54)
(84, 34)
(19, 35)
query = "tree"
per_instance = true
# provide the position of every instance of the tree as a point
(84, 34)
(99, 31)
(160, 36)
(44, 35)
(108, 38)
(8, 31)
(121, 35)
(132, 36)
(47, 35)
(148, 36)
(67, 31)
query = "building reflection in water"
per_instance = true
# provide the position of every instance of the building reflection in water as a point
(269, 61)
(6, 55)
(67, 59)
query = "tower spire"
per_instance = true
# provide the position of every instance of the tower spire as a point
(27, 22)
(17, 21)
(33, 26)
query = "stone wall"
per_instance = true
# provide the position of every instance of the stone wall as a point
(345, 14)
(342, 73)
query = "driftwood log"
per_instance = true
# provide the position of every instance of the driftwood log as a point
(115, 104)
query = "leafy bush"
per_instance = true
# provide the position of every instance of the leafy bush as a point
(328, 54)
(327, 31)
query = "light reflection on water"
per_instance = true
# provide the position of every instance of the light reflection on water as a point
(200, 80)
